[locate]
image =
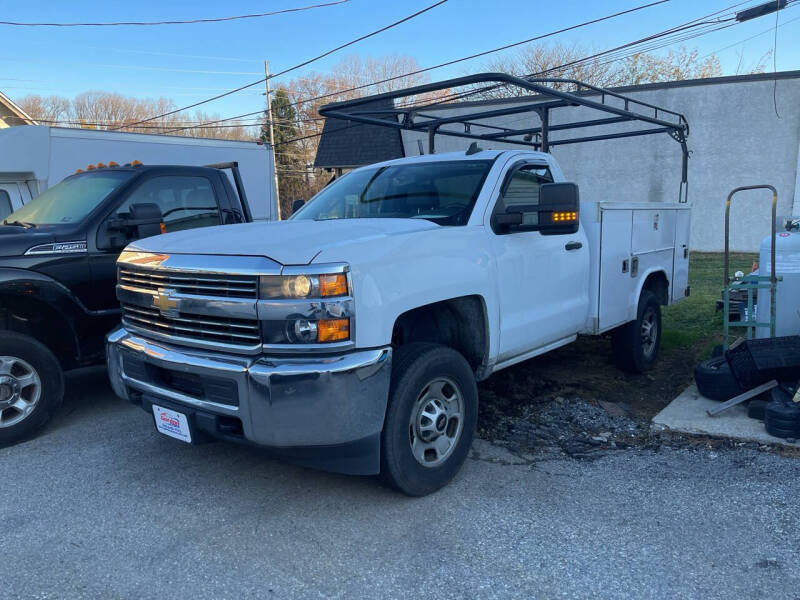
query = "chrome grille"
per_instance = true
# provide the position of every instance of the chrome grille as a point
(225, 330)
(200, 284)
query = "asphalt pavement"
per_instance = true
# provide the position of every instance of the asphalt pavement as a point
(101, 506)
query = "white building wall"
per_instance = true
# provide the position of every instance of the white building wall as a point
(736, 139)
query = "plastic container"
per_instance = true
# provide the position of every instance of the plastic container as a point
(787, 265)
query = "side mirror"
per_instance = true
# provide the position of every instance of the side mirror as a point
(559, 208)
(297, 205)
(146, 218)
(557, 211)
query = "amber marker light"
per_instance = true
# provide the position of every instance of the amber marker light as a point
(333, 330)
(101, 165)
(111, 163)
(333, 285)
(79, 170)
(561, 217)
(136, 163)
(90, 167)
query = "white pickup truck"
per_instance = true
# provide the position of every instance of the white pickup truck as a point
(351, 336)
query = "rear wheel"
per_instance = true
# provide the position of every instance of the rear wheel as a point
(430, 419)
(636, 344)
(31, 386)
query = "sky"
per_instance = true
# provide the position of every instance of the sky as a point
(188, 63)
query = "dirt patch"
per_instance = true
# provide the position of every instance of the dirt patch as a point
(586, 369)
(577, 401)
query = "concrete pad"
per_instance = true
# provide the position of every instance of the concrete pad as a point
(687, 414)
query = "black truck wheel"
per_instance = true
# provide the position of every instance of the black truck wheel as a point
(430, 419)
(714, 379)
(635, 344)
(31, 386)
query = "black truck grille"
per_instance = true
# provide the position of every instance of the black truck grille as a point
(239, 332)
(200, 284)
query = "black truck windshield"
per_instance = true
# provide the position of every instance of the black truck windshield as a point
(441, 191)
(71, 200)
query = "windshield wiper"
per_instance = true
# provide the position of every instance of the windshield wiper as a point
(24, 224)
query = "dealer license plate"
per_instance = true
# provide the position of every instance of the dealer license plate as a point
(172, 423)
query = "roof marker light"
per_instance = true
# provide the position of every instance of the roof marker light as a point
(111, 163)
(90, 167)
(136, 163)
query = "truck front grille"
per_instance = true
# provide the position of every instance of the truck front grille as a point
(199, 284)
(224, 330)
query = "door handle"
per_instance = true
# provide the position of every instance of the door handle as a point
(573, 245)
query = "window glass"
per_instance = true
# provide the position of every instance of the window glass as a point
(524, 186)
(441, 191)
(185, 202)
(5, 204)
(72, 199)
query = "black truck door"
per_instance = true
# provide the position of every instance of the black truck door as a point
(186, 202)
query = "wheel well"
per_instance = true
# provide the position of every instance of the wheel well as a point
(42, 322)
(658, 283)
(459, 323)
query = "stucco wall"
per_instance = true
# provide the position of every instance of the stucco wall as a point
(736, 139)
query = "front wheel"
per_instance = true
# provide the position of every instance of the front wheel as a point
(31, 386)
(430, 419)
(636, 344)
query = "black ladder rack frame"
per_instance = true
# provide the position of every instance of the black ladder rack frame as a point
(654, 119)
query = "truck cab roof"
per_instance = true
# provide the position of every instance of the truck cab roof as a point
(454, 156)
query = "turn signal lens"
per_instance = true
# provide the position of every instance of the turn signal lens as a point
(333, 285)
(333, 330)
(560, 217)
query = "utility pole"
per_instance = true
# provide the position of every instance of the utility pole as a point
(272, 140)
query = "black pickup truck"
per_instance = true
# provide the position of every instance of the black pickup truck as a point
(58, 270)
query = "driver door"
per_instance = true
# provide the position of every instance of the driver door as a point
(542, 278)
(185, 202)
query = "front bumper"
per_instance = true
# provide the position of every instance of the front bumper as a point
(323, 402)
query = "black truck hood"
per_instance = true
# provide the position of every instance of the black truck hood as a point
(16, 241)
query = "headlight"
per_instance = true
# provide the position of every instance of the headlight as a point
(303, 286)
(301, 308)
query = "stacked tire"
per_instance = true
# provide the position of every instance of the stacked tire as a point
(781, 414)
(715, 380)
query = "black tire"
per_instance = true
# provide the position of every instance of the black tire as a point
(416, 369)
(715, 380)
(756, 408)
(631, 352)
(29, 355)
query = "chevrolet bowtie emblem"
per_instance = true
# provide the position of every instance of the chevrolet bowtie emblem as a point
(165, 303)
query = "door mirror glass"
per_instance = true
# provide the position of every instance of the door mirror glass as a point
(297, 205)
(140, 221)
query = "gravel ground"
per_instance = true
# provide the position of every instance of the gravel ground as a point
(101, 506)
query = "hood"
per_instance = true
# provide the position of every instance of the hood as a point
(287, 242)
(15, 241)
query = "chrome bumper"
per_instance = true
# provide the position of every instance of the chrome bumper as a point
(281, 401)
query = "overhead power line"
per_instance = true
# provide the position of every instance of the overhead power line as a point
(455, 61)
(723, 21)
(297, 66)
(187, 22)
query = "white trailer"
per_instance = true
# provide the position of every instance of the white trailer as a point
(35, 157)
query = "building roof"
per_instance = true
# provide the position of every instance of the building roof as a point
(347, 144)
(11, 114)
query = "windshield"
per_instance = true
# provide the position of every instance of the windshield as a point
(71, 200)
(442, 192)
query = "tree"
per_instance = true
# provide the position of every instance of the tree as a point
(567, 62)
(106, 110)
(290, 164)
